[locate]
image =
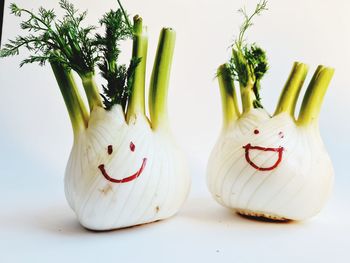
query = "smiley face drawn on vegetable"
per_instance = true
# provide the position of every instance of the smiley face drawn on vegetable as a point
(125, 179)
(248, 147)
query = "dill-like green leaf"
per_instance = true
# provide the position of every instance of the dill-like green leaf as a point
(118, 77)
(15, 10)
(81, 52)
(249, 62)
(66, 41)
(39, 42)
(74, 46)
(248, 21)
(257, 60)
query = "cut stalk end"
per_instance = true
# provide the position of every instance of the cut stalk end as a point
(136, 103)
(291, 90)
(160, 78)
(314, 95)
(138, 25)
(228, 95)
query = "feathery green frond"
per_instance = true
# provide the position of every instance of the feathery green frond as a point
(118, 77)
(72, 45)
(65, 41)
(248, 63)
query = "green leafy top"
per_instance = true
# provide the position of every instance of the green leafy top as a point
(77, 47)
(248, 63)
(119, 77)
(64, 41)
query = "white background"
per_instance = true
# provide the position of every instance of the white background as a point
(36, 224)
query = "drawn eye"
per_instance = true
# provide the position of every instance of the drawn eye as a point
(132, 146)
(281, 134)
(256, 131)
(110, 149)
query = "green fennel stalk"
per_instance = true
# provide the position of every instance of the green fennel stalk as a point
(313, 98)
(248, 64)
(228, 94)
(69, 47)
(158, 92)
(77, 111)
(140, 45)
(289, 96)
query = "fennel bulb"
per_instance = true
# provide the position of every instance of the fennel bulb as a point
(267, 166)
(121, 174)
(124, 169)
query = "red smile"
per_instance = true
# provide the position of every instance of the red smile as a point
(126, 179)
(278, 150)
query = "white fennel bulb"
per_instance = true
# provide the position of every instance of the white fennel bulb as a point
(270, 167)
(267, 166)
(122, 174)
(124, 168)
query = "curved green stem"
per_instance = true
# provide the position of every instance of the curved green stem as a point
(160, 78)
(290, 93)
(312, 102)
(91, 90)
(136, 103)
(77, 111)
(228, 95)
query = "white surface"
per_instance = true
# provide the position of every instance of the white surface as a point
(36, 224)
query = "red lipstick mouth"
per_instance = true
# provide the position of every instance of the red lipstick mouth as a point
(125, 179)
(278, 150)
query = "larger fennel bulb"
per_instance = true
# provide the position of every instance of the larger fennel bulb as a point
(270, 166)
(124, 168)
(121, 174)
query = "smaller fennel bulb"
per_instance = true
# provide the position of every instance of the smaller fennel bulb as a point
(267, 166)
(124, 169)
